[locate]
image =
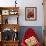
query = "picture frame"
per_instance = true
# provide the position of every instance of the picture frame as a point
(30, 13)
(13, 12)
(5, 12)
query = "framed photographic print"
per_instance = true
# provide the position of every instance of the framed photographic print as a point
(13, 12)
(5, 12)
(30, 13)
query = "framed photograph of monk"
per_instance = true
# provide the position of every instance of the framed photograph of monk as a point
(30, 13)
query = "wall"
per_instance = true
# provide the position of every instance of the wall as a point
(31, 3)
(26, 3)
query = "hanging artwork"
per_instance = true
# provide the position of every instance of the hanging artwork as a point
(31, 13)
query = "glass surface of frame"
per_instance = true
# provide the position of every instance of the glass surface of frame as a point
(5, 12)
(31, 13)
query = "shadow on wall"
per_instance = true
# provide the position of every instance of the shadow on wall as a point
(37, 29)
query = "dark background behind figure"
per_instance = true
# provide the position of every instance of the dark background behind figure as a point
(37, 29)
